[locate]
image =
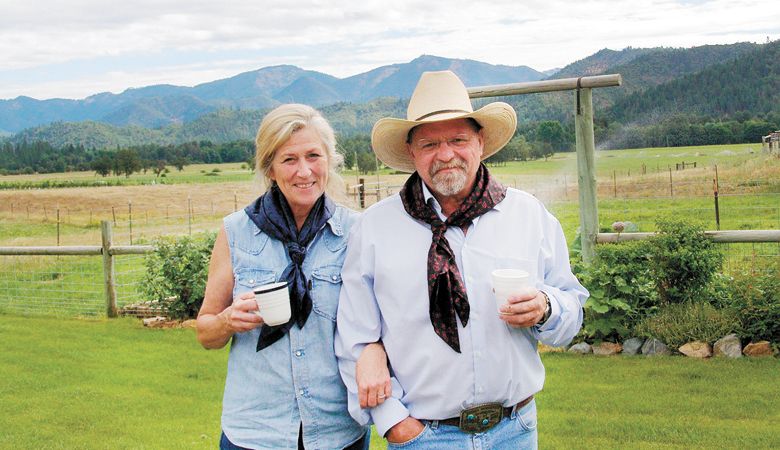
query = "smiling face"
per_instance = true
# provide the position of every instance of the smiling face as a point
(446, 156)
(300, 169)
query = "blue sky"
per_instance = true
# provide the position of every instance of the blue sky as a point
(75, 48)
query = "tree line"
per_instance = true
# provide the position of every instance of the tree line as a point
(42, 157)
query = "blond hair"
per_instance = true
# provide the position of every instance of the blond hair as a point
(276, 129)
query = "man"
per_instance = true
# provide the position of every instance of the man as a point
(417, 276)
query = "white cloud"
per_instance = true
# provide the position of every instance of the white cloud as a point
(341, 38)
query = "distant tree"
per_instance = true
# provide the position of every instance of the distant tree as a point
(128, 162)
(158, 168)
(542, 150)
(366, 162)
(551, 132)
(103, 165)
(179, 162)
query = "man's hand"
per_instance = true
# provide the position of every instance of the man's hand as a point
(241, 315)
(373, 376)
(524, 310)
(404, 431)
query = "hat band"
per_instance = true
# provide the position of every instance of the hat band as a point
(442, 111)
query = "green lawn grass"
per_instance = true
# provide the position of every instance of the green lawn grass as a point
(68, 383)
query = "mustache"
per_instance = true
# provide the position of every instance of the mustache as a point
(456, 163)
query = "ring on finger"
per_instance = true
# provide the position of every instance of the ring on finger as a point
(381, 396)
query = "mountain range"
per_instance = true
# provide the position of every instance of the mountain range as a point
(160, 105)
(711, 80)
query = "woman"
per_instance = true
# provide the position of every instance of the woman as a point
(283, 384)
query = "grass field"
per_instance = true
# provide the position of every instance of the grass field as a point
(194, 201)
(113, 384)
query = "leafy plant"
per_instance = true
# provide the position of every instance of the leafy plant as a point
(621, 289)
(176, 273)
(755, 300)
(683, 260)
(680, 323)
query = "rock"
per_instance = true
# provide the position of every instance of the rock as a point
(760, 348)
(653, 346)
(581, 348)
(192, 323)
(607, 348)
(154, 322)
(696, 349)
(632, 346)
(728, 346)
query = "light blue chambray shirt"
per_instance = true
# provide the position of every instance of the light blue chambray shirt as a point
(296, 379)
(385, 297)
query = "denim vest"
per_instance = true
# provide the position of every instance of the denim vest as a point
(269, 393)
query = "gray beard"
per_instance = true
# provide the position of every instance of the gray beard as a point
(449, 183)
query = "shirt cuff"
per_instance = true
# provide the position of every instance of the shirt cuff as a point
(554, 312)
(388, 414)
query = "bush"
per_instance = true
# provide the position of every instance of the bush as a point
(680, 323)
(176, 273)
(754, 298)
(683, 260)
(621, 288)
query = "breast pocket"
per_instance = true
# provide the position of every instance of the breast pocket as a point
(326, 286)
(248, 279)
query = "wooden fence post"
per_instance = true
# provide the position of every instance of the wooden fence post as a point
(58, 225)
(109, 276)
(130, 219)
(586, 173)
(362, 193)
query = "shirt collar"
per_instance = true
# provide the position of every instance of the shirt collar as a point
(431, 200)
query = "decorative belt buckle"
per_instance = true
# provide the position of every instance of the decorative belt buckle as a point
(481, 417)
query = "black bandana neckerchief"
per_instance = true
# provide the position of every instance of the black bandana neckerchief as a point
(446, 292)
(271, 213)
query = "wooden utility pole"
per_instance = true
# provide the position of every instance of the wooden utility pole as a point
(586, 172)
(109, 275)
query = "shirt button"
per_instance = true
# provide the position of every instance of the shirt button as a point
(298, 353)
(334, 277)
(301, 392)
(252, 281)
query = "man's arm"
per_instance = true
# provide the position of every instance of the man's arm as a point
(359, 323)
(566, 294)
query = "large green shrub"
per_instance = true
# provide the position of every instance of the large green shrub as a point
(680, 323)
(176, 273)
(754, 298)
(683, 260)
(621, 289)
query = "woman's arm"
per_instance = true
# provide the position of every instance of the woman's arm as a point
(373, 376)
(220, 315)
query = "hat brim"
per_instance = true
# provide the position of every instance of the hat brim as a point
(388, 137)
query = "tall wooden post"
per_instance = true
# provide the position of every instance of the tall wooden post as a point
(586, 172)
(109, 275)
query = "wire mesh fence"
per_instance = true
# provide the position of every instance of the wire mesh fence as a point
(72, 285)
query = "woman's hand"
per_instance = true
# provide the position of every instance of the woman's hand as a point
(373, 376)
(241, 315)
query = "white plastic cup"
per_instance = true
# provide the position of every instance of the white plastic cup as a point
(273, 303)
(508, 283)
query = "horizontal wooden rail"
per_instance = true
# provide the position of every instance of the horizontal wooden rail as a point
(531, 87)
(76, 250)
(730, 236)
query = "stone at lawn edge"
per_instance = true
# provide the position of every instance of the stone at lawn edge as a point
(607, 348)
(655, 347)
(760, 348)
(192, 323)
(154, 322)
(581, 348)
(728, 346)
(696, 349)
(632, 346)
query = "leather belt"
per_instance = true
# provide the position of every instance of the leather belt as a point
(480, 418)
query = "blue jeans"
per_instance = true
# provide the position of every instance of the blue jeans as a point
(362, 444)
(515, 432)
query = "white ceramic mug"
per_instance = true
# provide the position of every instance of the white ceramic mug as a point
(273, 303)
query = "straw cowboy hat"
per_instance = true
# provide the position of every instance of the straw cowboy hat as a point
(440, 96)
